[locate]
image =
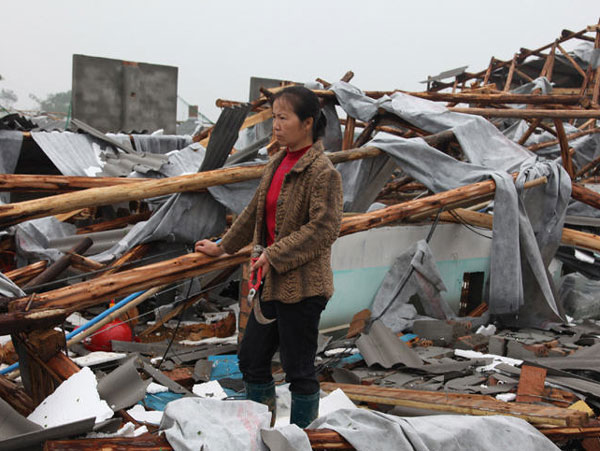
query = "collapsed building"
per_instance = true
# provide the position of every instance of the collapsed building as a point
(465, 270)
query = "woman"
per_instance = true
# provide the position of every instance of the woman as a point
(295, 215)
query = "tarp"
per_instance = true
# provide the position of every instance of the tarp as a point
(414, 273)
(516, 266)
(368, 430)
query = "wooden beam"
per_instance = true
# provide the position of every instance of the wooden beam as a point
(52, 271)
(571, 60)
(458, 403)
(85, 264)
(146, 442)
(58, 183)
(530, 130)
(115, 223)
(92, 292)
(488, 71)
(22, 275)
(585, 195)
(133, 254)
(487, 99)
(29, 321)
(15, 213)
(96, 291)
(529, 113)
(564, 148)
(570, 137)
(570, 237)
(348, 133)
(511, 72)
(16, 397)
(548, 68)
(523, 75)
(422, 207)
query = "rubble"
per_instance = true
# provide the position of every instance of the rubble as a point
(470, 232)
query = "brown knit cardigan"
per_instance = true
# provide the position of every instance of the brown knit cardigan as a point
(307, 222)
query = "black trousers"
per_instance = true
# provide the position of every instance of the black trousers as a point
(295, 333)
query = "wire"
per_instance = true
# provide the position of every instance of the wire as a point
(176, 328)
(174, 304)
(470, 227)
(408, 274)
(100, 271)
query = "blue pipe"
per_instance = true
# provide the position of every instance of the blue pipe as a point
(104, 314)
(87, 325)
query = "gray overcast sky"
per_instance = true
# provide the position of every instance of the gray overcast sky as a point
(219, 45)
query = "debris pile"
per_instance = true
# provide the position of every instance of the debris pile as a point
(465, 272)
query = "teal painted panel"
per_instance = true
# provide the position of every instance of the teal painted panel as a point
(355, 289)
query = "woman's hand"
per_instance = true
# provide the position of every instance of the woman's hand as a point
(209, 248)
(263, 263)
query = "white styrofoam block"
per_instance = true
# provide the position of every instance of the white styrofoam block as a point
(488, 330)
(506, 397)
(98, 357)
(75, 399)
(335, 400)
(142, 415)
(153, 387)
(210, 389)
(497, 359)
(76, 319)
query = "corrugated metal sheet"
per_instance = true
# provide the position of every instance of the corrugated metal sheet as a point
(384, 347)
(224, 136)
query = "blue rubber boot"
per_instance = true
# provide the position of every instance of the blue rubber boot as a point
(264, 394)
(305, 409)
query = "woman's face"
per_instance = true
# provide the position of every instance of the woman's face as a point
(288, 129)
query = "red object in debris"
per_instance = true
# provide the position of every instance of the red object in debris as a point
(115, 330)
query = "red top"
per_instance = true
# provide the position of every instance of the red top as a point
(285, 166)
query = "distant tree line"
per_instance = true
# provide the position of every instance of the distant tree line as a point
(53, 103)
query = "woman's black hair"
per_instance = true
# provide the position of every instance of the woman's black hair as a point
(305, 104)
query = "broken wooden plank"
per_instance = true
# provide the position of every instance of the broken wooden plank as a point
(458, 403)
(16, 397)
(85, 264)
(62, 366)
(34, 350)
(132, 255)
(30, 321)
(52, 271)
(23, 275)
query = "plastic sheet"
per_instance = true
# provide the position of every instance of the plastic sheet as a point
(208, 424)
(515, 266)
(365, 429)
(414, 273)
(580, 296)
